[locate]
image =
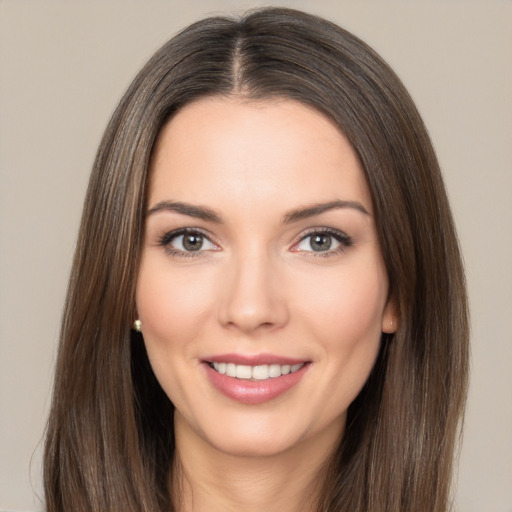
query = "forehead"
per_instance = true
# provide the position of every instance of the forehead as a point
(271, 150)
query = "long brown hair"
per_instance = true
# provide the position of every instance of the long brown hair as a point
(110, 441)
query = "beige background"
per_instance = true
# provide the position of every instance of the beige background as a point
(63, 67)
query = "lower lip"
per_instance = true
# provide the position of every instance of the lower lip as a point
(254, 392)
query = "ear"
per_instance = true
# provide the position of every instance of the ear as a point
(390, 317)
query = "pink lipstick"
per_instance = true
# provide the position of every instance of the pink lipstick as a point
(254, 379)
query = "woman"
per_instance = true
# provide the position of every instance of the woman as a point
(267, 212)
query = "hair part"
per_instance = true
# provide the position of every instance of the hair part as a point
(110, 440)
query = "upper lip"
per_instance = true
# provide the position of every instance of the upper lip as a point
(254, 359)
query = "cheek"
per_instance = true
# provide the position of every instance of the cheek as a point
(344, 316)
(168, 301)
(348, 305)
(171, 307)
(346, 324)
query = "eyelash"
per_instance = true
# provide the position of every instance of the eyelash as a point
(167, 238)
(342, 238)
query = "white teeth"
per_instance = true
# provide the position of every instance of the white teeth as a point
(220, 367)
(243, 371)
(274, 370)
(260, 372)
(231, 370)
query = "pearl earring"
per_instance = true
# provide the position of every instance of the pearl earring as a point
(137, 325)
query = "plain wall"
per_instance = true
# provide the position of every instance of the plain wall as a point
(64, 66)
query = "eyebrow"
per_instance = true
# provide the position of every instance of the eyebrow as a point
(198, 212)
(317, 209)
(206, 214)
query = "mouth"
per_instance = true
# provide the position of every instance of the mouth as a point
(254, 379)
(259, 372)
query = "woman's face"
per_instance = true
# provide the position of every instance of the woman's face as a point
(262, 291)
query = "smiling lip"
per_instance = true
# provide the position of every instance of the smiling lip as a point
(253, 391)
(253, 360)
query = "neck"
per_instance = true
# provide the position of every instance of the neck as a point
(207, 479)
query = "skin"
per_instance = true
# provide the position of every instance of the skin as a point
(257, 286)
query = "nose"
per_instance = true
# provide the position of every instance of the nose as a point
(253, 295)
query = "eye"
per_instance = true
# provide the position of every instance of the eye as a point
(323, 241)
(185, 242)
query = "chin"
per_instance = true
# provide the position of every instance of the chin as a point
(250, 446)
(265, 435)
